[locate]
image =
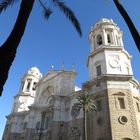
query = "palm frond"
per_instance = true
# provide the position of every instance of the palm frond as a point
(69, 14)
(5, 3)
(46, 10)
(87, 102)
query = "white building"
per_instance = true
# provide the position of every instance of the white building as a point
(46, 106)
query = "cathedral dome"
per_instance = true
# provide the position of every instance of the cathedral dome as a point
(104, 21)
(35, 72)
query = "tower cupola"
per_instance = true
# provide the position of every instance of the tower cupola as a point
(107, 55)
(105, 33)
(29, 80)
(27, 92)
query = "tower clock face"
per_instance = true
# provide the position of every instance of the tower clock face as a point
(114, 62)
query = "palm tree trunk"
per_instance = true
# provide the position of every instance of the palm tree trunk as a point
(129, 23)
(9, 48)
(85, 124)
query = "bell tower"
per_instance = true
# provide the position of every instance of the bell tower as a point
(27, 91)
(107, 54)
(112, 86)
(29, 81)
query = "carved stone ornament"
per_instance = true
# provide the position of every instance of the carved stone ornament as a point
(49, 101)
(74, 134)
(49, 134)
(46, 99)
(113, 62)
(75, 111)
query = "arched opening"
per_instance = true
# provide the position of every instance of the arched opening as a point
(108, 38)
(28, 85)
(99, 40)
(22, 85)
(34, 86)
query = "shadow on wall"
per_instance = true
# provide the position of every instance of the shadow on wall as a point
(127, 139)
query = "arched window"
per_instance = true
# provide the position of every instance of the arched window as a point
(99, 40)
(22, 85)
(28, 84)
(98, 70)
(34, 85)
(108, 38)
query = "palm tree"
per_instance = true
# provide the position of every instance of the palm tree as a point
(129, 23)
(87, 104)
(9, 47)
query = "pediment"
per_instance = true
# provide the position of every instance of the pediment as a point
(137, 98)
(119, 94)
(48, 76)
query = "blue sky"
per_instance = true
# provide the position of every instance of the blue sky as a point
(52, 42)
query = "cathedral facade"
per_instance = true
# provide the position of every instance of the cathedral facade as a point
(45, 107)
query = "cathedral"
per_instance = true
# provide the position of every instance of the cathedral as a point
(45, 108)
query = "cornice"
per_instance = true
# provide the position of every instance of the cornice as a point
(102, 49)
(56, 72)
(24, 94)
(22, 113)
(111, 48)
(107, 77)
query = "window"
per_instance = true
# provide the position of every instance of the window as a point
(37, 125)
(138, 107)
(6, 128)
(123, 120)
(121, 103)
(108, 38)
(43, 119)
(22, 86)
(46, 122)
(99, 105)
(34, 86)
(99, 40)
(98, 70)
(28, 85)
(24, 125)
